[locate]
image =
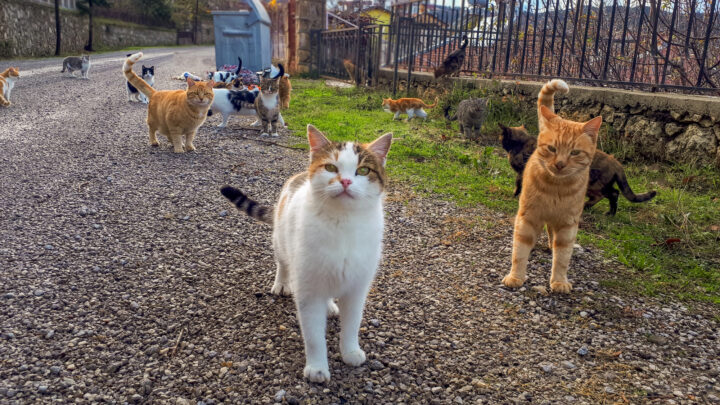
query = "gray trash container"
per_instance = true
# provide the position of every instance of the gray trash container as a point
(245, 34)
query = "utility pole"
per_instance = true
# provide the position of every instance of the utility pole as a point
(195, 28)
(57, 28)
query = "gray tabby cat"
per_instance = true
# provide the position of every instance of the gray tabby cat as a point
(471, 114)
(73, 63)
(267, 104)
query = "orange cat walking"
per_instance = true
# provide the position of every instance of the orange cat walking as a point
(177, 114)
(553, 193)
(7, 81)
(411, 106)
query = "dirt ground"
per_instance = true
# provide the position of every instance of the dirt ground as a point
(126, 277)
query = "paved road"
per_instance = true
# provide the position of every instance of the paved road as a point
(125, 276)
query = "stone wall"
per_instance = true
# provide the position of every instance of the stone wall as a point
(309, 16)
(111, 34)
(675, 128)
(28, 29)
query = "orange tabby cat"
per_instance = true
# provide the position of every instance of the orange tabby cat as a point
(284, 92)
(7, 81)
(177, 114)
(554, 184)
(410, 106)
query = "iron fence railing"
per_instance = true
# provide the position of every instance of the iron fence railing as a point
(671, 45)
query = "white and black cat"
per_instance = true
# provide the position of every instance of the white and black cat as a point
(148, 74)
(224, 76)
(233, 102)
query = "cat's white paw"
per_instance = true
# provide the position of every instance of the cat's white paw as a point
(275, 134)
(264, 134)
(332, 309)
(280, 289)
(317, 374)
(354, 358)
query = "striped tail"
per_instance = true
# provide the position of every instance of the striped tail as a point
(245, 204)
(547, 95)
(431, 105)
(134, 79)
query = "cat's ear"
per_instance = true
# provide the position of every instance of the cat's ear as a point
(190, 82)
(592, 127)
(545, 116)
(381, 146)
(211, 83)
(316, 139)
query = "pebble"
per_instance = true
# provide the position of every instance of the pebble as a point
(609, 390)
(49, 247)
(134, 305)
(9, 335)
(136, 398)
(583, 314)
(436, 390)
(10, 393)
(657, 339)
(568, 364)
(547, 367)
(55, 369)
(279, 396)
(49, 334)
(223, 213)
(43, 389)
(9, 295)
(39, 292)
(375, 322)
(376, 365)
(678, 393)
(583, 351)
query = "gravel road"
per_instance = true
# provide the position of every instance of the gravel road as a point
(126, 277)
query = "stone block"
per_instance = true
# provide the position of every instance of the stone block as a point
(672, 129)
(647, 135)
(696, 145)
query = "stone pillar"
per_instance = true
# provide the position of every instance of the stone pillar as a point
(309, 16)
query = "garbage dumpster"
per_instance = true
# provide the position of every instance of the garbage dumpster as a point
(245, 34)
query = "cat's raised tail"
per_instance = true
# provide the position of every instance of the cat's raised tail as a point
(546, 96)
(134, 79)
(252, 208)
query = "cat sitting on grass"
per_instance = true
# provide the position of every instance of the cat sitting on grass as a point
(327, 238)
(73, 63)
(413, 107)
(177, 114)
(605, 170)
(470, 115)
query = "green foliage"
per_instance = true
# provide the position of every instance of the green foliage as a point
(435, 159)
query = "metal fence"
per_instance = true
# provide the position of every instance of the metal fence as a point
(650, 44)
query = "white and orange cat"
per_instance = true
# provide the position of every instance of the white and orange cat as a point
(177, 114)
(413, 107)
(7, 82)
(554, 183)
(327, 236)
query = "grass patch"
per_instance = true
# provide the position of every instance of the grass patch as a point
(435, 159)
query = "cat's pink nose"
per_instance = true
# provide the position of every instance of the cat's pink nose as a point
(560, 164)
(346, 183)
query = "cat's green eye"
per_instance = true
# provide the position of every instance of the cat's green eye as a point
(552, 149)
(331, 168)
(575, 152)
(362, 171)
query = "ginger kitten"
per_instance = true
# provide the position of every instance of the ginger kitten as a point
(410, 106)
(177, 114)
(7, 82)
(327, 237)
(555, 181)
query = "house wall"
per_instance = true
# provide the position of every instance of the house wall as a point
(674, 128)
(28, 29)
